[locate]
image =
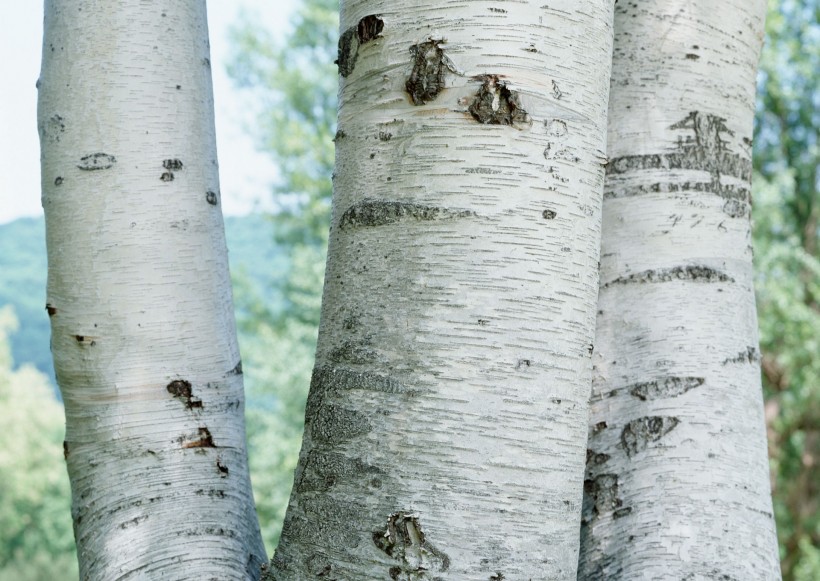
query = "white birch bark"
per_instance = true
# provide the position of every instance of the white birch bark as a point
(143, 333)
(677, 476)
(446, 422)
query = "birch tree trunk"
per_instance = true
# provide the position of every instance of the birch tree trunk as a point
(677, 476)
(446, 419)
(139, 295)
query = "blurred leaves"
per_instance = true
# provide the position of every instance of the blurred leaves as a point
(786, 215)
(292, 82)
(36, 539)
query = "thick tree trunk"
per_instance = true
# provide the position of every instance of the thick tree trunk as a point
(677, 476)
(139, 295)
(446, 419)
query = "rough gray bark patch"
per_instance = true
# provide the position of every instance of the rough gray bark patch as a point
(695, 273)
(496, 104)
(429, 67)
(334, 423)
(96, 161)
(666, 387)
(324, 470)
(370, 212)
(351, 352)
(327, 379)
(403, 540)
(367, 29)
(638, 434)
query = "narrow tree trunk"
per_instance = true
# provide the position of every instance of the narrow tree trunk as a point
(677, 476)
(446, 419)
(139, 295)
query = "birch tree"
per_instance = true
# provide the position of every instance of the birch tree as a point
(677, 477)
(139, 295)
(445, 425)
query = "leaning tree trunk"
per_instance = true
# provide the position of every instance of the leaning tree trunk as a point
(446, 419)
(677, 477)
(139, 295)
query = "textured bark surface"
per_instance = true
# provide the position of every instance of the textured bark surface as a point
(677, 476)
(446, 420)
(139, 295)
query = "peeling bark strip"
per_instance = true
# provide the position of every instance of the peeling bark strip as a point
(695, 273)
(496, 104)
(367, 29)
(370, 212)
(404, 541)
(667, 387)
(427, 77)
(96, 161)
(638, 434)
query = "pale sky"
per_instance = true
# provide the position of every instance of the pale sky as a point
(245, 174)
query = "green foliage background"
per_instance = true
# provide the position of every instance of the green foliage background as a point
(278, 267)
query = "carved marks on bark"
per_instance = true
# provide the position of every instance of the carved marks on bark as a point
(170, 165)
(403, 540)
(704, 149)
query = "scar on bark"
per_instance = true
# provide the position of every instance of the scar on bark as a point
(604, 492)
(50, 310)
(666, 387)
(429, 67)
(496, 104)
(65, 450)
(694, 273)
(203, 439)
(370, 213)
(181, 389)
(367, 29)
(404, 540)
(211, 198)
(96, 161)
(222, 468)
(638, 434)
(749, 355)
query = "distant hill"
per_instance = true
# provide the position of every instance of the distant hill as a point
(254, 258)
